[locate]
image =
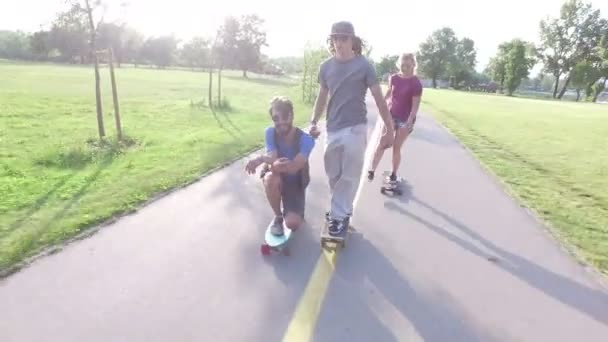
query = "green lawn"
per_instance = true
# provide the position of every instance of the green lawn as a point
(56, 179)
(551, 154)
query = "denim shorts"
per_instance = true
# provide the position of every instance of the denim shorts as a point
(400, 123)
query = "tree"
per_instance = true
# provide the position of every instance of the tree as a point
(569, 40)
(512, 64)
(160, 51)
(14, 45)
(132, 43)
(40, 44)
(387, 65)
(462, 67)
(601, 66)
(93, 33)
(110, 35)
(496, 67)
(225, 52)
(250, 40)
(227, 43)
(436, 53)
(290, 65)
(313, 57)
(75, 33)
(71, 33)
(582, 74)
(518, 62)
(196, 53)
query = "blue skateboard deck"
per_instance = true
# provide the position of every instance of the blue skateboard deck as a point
(276, 243)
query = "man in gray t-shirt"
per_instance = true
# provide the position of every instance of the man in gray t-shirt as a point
(347, 82)
(343, 80)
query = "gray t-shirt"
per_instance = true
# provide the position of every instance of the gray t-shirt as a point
(347, 82)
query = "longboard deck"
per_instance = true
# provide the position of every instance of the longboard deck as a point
(338, 240)
(394, 187)
(274, 242)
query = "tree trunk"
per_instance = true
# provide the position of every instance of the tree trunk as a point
(557, 76)
(100, 126)
(435, 82)
(245, 73)
(589, 90)
(578, 94)
(115, 95)
(219, 87)
(565, 87)
(210, 86)
(599, 89)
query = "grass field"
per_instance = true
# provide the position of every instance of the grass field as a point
(56, 179)
(551, 154)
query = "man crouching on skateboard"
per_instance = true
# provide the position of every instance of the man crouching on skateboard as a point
(286, 173)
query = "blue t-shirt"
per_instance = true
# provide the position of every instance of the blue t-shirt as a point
(287, 150)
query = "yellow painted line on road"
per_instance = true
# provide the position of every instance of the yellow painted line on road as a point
(302, 325)
(304, 320)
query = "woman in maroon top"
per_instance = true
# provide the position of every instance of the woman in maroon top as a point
(403, 95)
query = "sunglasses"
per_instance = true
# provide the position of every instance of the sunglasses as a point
(339, 38)
(281, 117)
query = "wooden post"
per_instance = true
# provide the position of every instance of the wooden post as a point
(114, 94)
(219, 87)
(210, 86)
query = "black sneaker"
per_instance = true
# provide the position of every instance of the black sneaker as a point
(393, 177)
(343, 225)
(370, 175)
(334, 227)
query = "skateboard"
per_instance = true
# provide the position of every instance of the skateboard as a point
(338, 240)
(391, 186)
(276, 243)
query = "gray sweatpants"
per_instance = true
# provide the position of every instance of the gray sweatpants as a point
(344, 158)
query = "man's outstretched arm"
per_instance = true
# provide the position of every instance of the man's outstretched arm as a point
(307, 143)
(320, 104)
(290, 166)
(382, 108)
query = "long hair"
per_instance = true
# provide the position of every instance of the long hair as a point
(407, 55)
(282, 104)
(358, 45)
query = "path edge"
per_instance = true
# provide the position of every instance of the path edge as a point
(545, 226)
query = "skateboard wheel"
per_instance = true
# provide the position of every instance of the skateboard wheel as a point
(265, 249)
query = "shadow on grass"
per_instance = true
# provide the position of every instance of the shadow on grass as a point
(232, 129)
(236, 129)
(28, 243)
(542, 171)
(74, 159)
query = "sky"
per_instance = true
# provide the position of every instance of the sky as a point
(390, 26)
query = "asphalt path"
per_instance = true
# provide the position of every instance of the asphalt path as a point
(452, 259)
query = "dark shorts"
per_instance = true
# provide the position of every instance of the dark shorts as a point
(293, 197)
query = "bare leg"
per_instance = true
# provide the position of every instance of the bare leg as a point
(272, 184)
(293, 221)
(400, 137)
(377, 156)
(378, 153)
